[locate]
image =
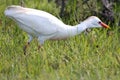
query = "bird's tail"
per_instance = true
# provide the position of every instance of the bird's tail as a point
(13, 7)
(10, 10)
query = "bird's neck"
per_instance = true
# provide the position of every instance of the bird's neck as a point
(77, 29)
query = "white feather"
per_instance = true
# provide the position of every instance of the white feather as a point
(45, 26)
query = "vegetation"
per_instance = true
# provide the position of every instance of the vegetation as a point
(91, 56)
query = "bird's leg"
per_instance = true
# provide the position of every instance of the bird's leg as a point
(41, 40)
(28, 43)
(25, 47)
(39, 47)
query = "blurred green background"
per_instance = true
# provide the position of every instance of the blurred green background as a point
(91, 56)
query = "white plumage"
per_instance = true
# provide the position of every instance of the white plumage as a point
(45, 26)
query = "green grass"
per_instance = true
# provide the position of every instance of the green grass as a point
(95, 56)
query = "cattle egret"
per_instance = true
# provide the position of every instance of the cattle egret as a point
(44, 26)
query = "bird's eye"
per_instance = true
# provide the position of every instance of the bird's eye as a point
(99, 22)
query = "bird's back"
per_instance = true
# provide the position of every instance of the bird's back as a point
(34, 21)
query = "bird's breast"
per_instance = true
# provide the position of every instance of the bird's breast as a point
(61, 34)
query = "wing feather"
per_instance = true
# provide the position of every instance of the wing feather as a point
(37, 20)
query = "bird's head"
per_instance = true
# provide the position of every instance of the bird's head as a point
(94, 21)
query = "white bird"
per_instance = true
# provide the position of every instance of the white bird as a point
(44, 26)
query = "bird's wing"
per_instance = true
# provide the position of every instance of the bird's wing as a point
(39, 21)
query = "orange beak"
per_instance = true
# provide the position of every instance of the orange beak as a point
(104, 25)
